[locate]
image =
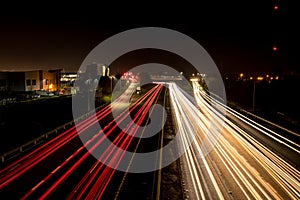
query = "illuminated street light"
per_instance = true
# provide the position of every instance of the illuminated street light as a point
(241, 76)
(112, 79)
(194, 79)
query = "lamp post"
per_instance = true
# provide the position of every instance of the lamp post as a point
(110, 77)
(111, 82)
(88, 86)
(91, 85)
(253, 96)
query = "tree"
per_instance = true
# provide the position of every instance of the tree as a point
(118, 75)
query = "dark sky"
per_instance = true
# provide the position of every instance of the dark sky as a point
(239, 36)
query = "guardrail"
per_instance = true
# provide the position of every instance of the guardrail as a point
(28, 145)
(271, 123)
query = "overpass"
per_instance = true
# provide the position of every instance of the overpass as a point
(165, 78)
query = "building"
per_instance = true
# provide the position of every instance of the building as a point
(67, 79)
(30, 80)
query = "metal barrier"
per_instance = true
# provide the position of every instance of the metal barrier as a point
(28, 145)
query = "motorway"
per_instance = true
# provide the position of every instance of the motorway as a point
(62, 168)
(229, 155)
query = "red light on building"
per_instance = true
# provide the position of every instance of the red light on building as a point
(275, 7)
(274, 48)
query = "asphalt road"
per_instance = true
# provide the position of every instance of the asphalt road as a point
(230, 157)
(226, 155)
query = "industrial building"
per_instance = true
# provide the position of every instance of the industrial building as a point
(30, 80)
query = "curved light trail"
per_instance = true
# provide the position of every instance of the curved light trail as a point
(229, 156)
(226, 161)
(103, 175)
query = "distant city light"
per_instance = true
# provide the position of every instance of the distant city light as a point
(260, 78)
(194, 79)
(275, 7)
(274, 48)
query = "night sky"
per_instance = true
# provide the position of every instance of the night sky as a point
(238, 36)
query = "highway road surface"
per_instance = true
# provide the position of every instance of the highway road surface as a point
(226, 155)
(229, 155)
(62, 168)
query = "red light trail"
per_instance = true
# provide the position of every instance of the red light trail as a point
(19, 167)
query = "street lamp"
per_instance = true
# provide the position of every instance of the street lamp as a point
(111, 90)
(259, 78)
(91, 85)
(253, 96)
(111, 83)
(241, 76)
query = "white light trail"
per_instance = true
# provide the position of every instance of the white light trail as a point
(252, 169)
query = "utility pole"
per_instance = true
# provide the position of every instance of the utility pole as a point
(88, 95)
(253, 96)
(111, 83)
